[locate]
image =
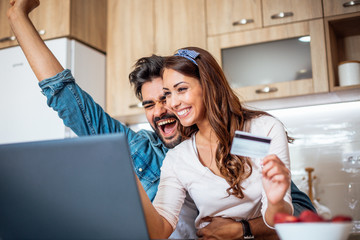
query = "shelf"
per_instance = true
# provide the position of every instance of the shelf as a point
(343, 44)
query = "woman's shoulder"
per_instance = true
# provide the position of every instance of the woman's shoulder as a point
(267, 119)
(264, 124)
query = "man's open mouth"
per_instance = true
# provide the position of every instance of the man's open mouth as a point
(167, 126)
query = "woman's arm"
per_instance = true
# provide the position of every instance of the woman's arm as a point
(276, 176)
(276, 194)
(42, 61)
(276, 182)
(158, 227)
(163, 213)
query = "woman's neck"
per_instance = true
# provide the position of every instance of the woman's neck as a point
(206, 133)
(206, 144)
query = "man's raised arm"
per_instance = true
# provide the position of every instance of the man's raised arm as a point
(42, 61)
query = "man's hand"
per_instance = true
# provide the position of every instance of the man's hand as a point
(226, 228)
(24, 6)
(220, 228)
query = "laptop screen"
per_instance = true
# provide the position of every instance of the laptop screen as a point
(79, 188)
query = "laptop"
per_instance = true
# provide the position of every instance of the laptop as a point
(78, 188)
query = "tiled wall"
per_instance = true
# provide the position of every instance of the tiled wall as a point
(324, 133)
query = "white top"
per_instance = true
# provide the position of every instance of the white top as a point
(182, 171)
(185, 228)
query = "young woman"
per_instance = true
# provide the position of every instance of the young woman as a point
(221, 184)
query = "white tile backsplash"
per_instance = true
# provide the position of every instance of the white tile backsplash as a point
(323, 134)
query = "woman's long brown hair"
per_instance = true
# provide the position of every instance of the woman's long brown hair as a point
(224, 111)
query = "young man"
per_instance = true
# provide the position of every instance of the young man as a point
(148, 149)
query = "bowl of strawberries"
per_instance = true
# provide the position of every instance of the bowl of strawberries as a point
(311, 226)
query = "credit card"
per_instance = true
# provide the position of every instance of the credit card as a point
(249, 145)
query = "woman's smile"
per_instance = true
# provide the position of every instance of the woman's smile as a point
(183, 113)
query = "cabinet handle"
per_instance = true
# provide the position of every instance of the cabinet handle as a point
(138, 105)
(42, 32)
(13, 38)
(5, 39)
(351, 3)
(282, 15)
(243, 22)
(267, 90)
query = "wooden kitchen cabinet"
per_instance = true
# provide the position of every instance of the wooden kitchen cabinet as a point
(316, 84)
(5, 30)
(337, 7)
(343, 44)
(178, 24)
(83, 20)
(226, 16)
(286, 11)
(139, 28)
(130, 37)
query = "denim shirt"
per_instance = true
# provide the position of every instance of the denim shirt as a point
(79, 112)
(85, 117)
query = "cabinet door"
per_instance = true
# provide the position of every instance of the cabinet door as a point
(6, 33)
(52, 18)
(225, 16)
(88, 22)
(285, 11)
(130, 37)
(84, 20)
(258, 91)
(336, 7)
(178, 24)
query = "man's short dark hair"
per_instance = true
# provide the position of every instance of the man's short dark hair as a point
(146, 69)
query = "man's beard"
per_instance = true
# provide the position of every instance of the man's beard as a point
(172, 141)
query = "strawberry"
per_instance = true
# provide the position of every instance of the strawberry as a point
(310, 216)
(341, 218)
(284, 218)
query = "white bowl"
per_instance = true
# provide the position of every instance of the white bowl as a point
(314, 231)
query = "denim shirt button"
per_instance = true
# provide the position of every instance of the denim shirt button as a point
(140, 169)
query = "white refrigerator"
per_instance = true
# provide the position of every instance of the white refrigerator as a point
(24, 114)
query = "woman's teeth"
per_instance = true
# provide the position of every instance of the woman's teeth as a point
(183, 112)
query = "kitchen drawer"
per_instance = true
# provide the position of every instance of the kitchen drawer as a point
(275, 90)
(337, 7)
(286, 11)
(225, 16)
